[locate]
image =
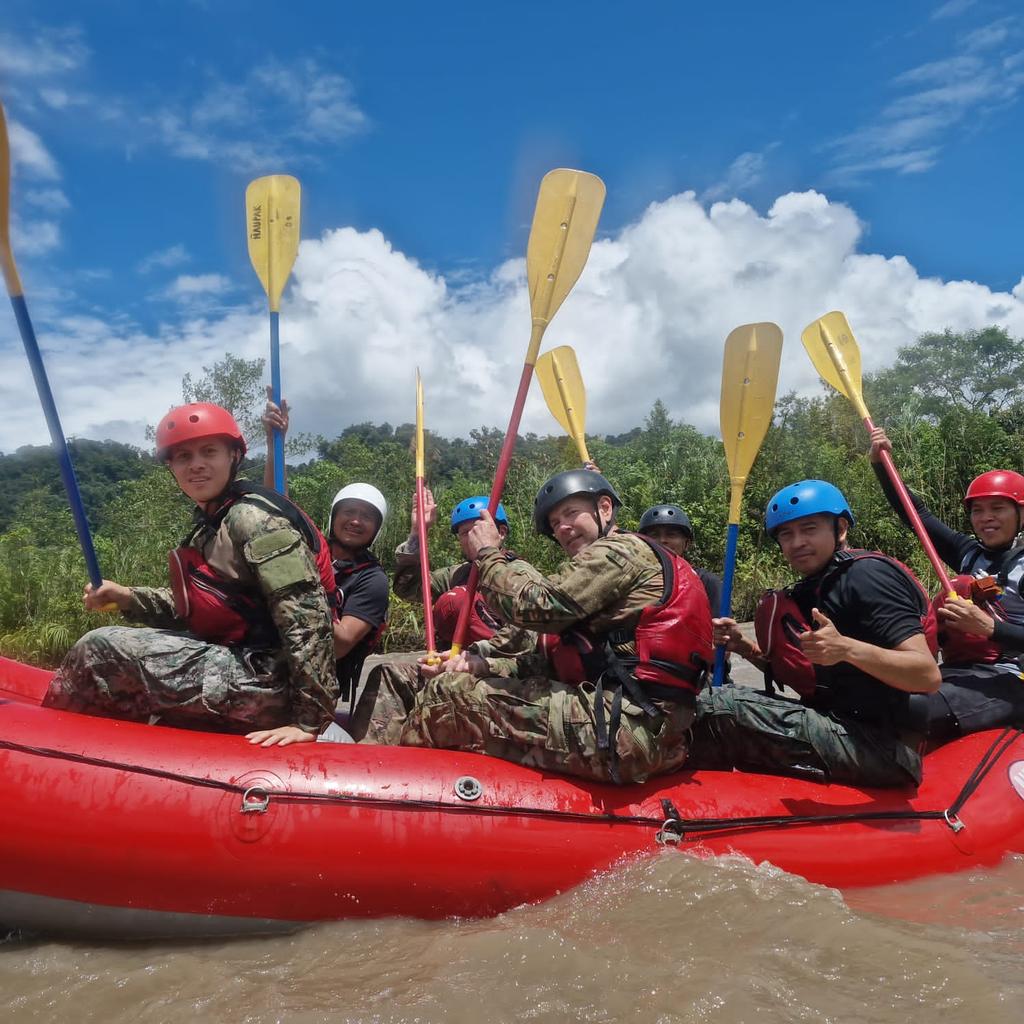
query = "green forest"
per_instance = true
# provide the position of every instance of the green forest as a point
(953, 404)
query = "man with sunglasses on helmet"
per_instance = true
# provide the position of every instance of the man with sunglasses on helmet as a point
(611, 696)
(241, 642)
(853, 637)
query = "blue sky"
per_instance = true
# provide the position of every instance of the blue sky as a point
(880, 140)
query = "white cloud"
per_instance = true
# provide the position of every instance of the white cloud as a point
(52, 200)
(988, 36)
(941, 96)
(45, 54)
(952, 8)
(744, 172)
(29, 153)
(172, 256)
(648, 320)
(34, 238)
(189, 286)
(266, 117)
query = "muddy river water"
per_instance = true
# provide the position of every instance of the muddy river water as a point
(674, 938)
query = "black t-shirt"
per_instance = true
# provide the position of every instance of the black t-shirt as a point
(712, 587)
(363, 594)
(873, 600)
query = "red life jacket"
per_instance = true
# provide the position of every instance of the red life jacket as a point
(234, 612)
(672, 636)
(779, 620)
(968, 648)
(483, 623)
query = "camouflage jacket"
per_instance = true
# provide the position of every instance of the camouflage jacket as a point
(603, 588)
(256, 545)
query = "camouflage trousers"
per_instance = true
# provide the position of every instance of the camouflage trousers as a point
(738, 727)
(538, 722)
(121, 672)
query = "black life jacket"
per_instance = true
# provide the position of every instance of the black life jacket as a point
(672, 637)
(234, 612)
(782, 615)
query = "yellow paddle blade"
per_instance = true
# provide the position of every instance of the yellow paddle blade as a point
(272, 224)
(420, 461)
(10, 269)
(568, 208)
(750, 374)
(562, 385)
(836, 356)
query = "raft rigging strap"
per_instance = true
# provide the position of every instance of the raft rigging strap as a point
(673, 828)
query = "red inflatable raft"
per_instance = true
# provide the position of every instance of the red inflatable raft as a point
(115, 828)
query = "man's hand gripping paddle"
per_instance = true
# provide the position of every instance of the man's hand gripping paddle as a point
(836, 356)
(564, 221)
(421, 527)
(272, 227)
(750, 373)
(35, 359)
(562, 385)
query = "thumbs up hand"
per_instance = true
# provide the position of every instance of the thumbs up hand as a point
(824, 645)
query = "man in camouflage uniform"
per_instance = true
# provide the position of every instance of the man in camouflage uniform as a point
(849, 637)
(273, 678)
(512, 708)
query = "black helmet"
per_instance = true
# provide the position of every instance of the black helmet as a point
(565, 485)
(666, 515)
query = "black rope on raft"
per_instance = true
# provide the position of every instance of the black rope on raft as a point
(672, 828)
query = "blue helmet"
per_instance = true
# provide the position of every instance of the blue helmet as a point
(469, 509)
(805, 498)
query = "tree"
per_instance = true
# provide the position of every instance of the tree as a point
(970, 371)
(236, 385)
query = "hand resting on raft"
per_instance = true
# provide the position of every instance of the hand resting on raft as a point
(282, 736)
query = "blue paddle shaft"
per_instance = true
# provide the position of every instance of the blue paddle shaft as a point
(725, 608)
(60, 444)
(275, 389)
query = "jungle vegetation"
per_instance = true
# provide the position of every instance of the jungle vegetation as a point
(953, 404)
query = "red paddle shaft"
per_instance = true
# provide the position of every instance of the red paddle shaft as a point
(915, 519)
(504, 459)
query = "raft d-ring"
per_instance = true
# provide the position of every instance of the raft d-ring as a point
(953, 822)
(255, 800)
(468, 788)
(668, 835)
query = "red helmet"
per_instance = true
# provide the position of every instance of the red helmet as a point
(996, 483)
(192, 422)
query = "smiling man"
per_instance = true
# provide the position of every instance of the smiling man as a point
(853, 637)
(982, 635)
(610, 694)
(241, 642)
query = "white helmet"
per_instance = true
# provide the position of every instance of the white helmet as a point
(362, 492)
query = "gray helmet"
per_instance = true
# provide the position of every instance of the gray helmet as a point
(565, 485)
(666, 515)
